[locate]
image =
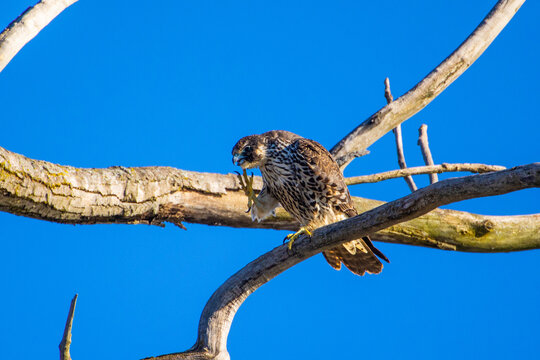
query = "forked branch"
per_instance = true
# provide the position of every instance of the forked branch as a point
(432, 85)
(218, 314)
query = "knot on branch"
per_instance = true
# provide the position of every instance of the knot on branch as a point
(483, 228)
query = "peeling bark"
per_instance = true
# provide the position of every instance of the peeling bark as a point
(154, 195)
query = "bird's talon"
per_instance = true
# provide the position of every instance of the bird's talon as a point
(286, 238)
(289, 245)
(293, 237)
(246, 184)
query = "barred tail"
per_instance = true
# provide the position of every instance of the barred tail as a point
(357, 255)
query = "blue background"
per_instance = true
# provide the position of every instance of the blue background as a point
(176, 83)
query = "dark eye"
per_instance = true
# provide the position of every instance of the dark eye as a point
(247, 149)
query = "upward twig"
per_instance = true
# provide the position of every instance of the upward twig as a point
(399, 140)
(426, 153)
(66, 338)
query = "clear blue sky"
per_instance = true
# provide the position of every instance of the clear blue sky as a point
(176, 83)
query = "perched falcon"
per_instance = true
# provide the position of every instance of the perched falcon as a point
(301, 175)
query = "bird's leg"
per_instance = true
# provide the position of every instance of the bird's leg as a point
(246, 184)
(293, 237)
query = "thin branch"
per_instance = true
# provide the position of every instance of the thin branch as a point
(399, 141)
(27, 25)
(420, 170)
(218, 314)
(155, 195)
(66, 338)
(387, 91)
(401, 157)
(432, 85)
(426, 153)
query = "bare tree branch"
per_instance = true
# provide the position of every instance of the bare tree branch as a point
(432, 85)
(25, 27)
(154, 195)
(426, 153)
(347, 158)
(218, 314)
(401, 157)
(66, 338)
(399, 140)
(419, 170)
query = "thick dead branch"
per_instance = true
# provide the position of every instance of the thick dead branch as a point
(426, 152)
(399, 139)
(220, 310)
(25, 27)
(66, 338)
(432, 85)
(420, 170)
(154, 195)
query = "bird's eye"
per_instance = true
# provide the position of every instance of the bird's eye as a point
(247, 148)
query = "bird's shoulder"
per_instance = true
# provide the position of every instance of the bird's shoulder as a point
(316, 156)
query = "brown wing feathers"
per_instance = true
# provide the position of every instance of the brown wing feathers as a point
(357, 255)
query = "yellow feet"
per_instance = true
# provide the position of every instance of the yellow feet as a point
(293, 237)
(246, 184)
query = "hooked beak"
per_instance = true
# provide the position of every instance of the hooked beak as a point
(238, 159)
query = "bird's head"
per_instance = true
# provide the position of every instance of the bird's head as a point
(249, 152)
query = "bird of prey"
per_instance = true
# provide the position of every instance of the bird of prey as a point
(303, 177)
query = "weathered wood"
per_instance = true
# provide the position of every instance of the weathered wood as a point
(432, 85)
(65, 344)
(27, 25)
(154, 195)
(220, 310)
